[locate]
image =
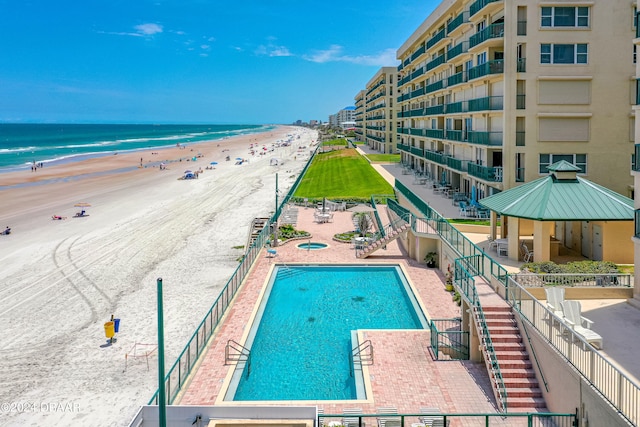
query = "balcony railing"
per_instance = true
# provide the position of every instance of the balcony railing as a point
(457, 21)
(434, 86)
(460, 77)
(493, 31)
(417, 53)
(434, 156)
(433, 110)
(416, 132)
(457, 164)
(485, 138)
(417, 112)
(486, 103)
(438, 61)
(417, 151)
(461, 47)
(417, 92)
(636, 158)
(436, 38)
(491, 67)
(521, 65)
(417, 73)
(434, 133)
(485, 172)
(455, 107)
(479, 5)
(522, 28)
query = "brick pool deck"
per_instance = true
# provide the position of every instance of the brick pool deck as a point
(404, 374)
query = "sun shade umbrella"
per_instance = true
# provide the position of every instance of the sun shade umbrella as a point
(213, 163)
(82, 205)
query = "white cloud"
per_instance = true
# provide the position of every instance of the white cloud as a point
(148, 29)
(205, 47)
(142, 30)
(272, 50)
(335, 54)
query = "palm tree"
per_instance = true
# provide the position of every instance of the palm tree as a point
(363, 222)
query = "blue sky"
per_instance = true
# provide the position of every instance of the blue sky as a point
(194, 61)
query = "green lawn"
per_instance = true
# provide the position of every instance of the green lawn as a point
(384, 158)
(342, 174)
(339, 141)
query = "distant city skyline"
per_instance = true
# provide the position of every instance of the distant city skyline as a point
(156, 61)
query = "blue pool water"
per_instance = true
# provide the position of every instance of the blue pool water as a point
(302, 347)
(312, 245)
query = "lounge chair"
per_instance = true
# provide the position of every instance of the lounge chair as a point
(431, 419)
(351, 417)
(580, 325)
(527, 255)
(388, 421)
(555, 297)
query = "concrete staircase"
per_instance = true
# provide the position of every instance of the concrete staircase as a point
(523, 392)
(382, 242)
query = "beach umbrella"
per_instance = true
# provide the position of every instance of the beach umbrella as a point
(361, 208)
(188, 171)
(82, 205)
(238, 158)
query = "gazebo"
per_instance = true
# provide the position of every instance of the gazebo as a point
(564, 212)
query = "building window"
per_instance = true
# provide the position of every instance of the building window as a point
(565, 17)
(481, 58)
(579, 160)
(563, 53)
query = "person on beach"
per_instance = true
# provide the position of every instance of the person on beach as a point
(7, 230)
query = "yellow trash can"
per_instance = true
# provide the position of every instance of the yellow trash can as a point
(109, 329)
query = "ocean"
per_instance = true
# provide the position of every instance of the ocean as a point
(21, 145)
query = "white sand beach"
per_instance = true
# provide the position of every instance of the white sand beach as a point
(61, 280)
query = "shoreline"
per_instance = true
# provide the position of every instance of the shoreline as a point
(62, 279)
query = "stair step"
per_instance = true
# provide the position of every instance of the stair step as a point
(503, 330)
(511, 355)
(515, 393)
(508, 346)
(520, 382)
(501, 322)
(498, 315)
(516, 373)
(496, 309)
(515, 364)
(506, 338)
(526, 402)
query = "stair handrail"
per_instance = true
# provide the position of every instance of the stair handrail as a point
(359, 355)
(535, 358)
(465, 281)
(242, 354)
(377, 216)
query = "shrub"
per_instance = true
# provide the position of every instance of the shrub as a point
(576, 267)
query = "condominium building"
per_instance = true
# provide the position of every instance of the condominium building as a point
(359, 116)
(379, 110)
(494, 91)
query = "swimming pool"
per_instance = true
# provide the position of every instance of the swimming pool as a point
(301, 338)
(312, 245)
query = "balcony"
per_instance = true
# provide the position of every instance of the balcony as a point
(417, 73)
(436, 38)
(438, 61)
(522, 28)
(486, 103)
(491, 67)
(485, 138)
(434, 133)
(479, 5)
(402, 147)
(458, 78)
(403, 130)
(417, 92)
(457, 164)
(636, 158)
(436, 109)
(434, 86)
(417, 112)
(484, 172)
(455, 107)
(493, 31)
(417, 151)
(457, 21)
(456, 135)
(434, 156)
(458, 49)
(521, 65)
(417, 53)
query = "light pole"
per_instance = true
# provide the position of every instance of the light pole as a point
(162, 401)
(275, 230)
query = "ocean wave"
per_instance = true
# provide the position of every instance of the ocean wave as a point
(17, 150)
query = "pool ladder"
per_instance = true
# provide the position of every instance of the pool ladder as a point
(236, 352)
(287, 271)
(362, 355)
